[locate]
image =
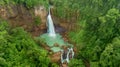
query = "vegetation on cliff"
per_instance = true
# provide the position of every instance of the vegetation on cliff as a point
(26, 3)
(18, 49)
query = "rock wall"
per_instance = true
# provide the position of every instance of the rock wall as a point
(41, 12)
(8, 11)
(20, 16)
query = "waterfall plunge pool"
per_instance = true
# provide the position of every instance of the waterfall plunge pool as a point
(53, 41)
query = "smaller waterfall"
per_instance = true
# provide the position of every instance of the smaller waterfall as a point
(66, 56)
(51, 29)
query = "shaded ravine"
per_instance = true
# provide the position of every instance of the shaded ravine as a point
(51, 38)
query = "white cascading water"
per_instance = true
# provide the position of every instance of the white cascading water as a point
(51, 32)
(69, 55)
(51, 29)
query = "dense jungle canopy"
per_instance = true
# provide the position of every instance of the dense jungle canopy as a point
(94, 28)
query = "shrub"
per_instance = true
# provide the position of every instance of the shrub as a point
(17, 48)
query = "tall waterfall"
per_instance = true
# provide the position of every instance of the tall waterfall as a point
(51, 29)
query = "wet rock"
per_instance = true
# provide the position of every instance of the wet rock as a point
(59, 29)
(56, 45)
(64, 65)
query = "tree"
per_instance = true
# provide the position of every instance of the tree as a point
(76, 63)
(98, 27)
(111, 55)
(17, 48)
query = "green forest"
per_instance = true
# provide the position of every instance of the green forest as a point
(92, 26)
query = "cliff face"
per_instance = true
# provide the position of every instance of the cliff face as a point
(8, 11)
(20, 16)
(33, 20)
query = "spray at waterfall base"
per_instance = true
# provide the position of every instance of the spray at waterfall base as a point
(51, 39)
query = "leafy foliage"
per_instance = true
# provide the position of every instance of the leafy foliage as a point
(98, 27)
(66, 9)
(111, 55)
(99, 33)
(76, 63)
(97, 36)
(26, 3)
(37, 21)
(18, 49)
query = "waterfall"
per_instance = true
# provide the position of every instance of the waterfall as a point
(69, 55)
(51, 29)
